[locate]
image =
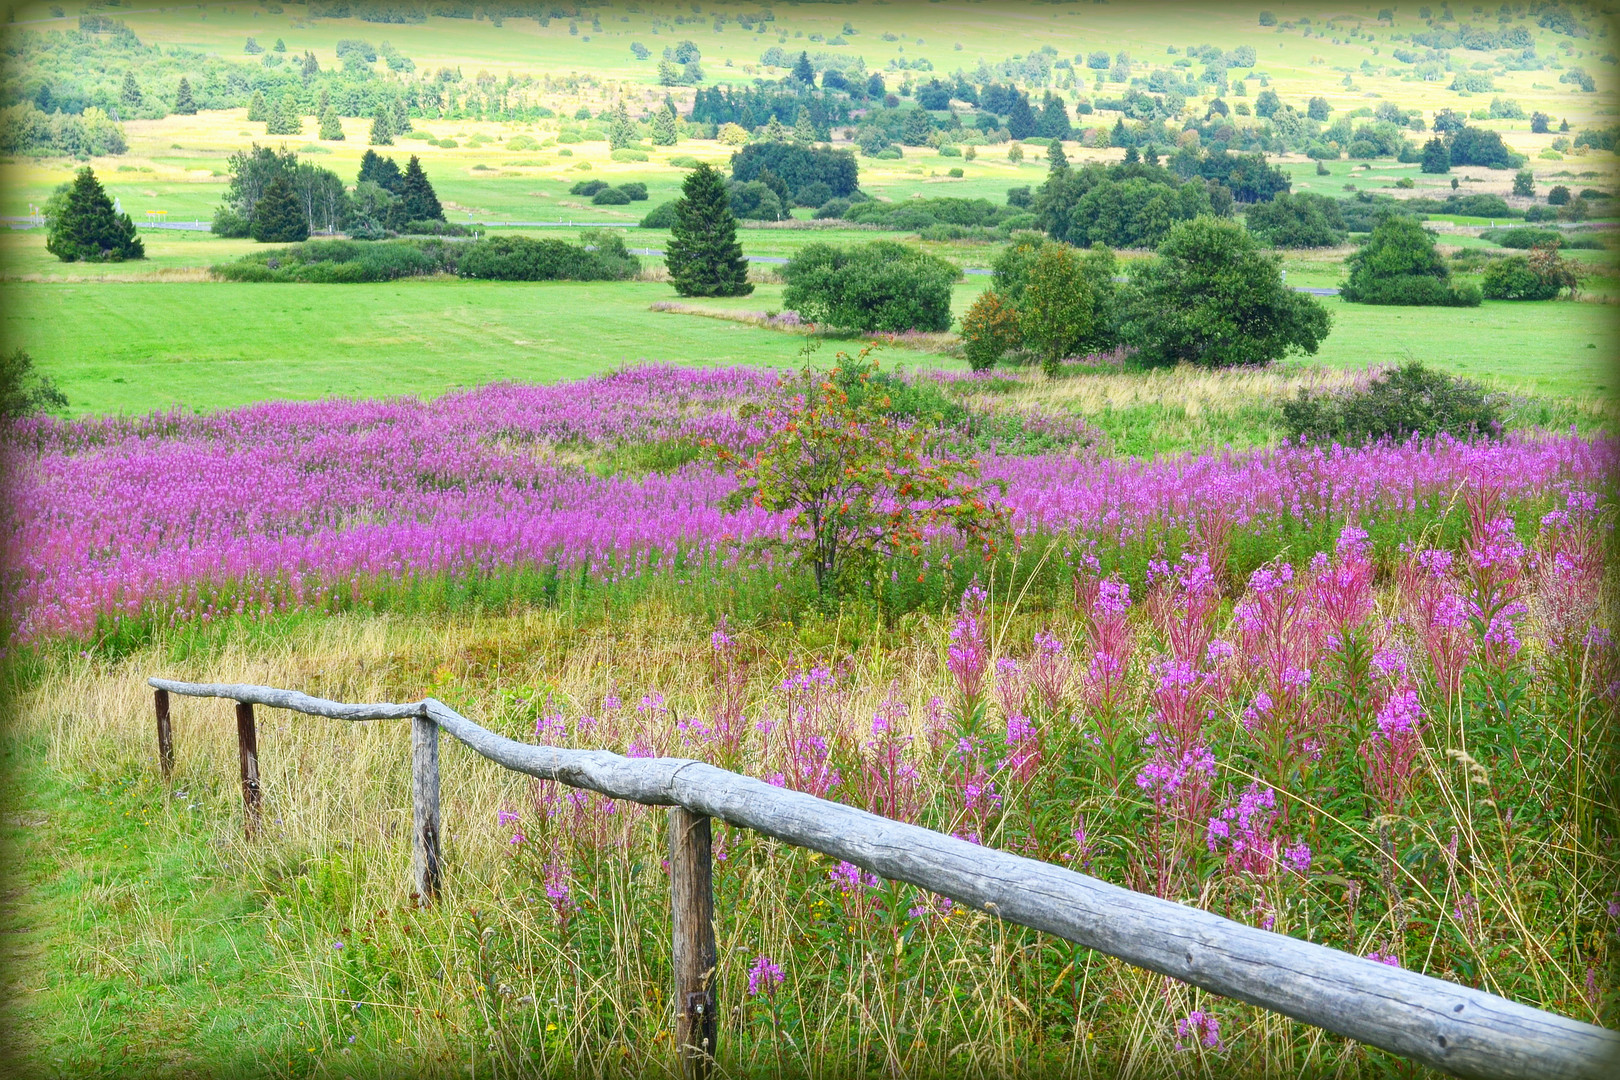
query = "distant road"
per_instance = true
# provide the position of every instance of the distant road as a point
(770, 260)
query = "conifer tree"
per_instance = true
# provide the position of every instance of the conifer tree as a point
(1150, 156)
(130, 98)
(285, 118)
(322, 100)
(705, 258)
(621, 131)
(382, 133)
(664, 131)
(1436, 157)
(183, 103)
(1020, 118)
(257, 112)
(804, 130)
(803, 71)
(331, 126)
(381, 171)
(89, 230)
(400, 121)
(776, 131)
(1057, 159)
(281, 46)
(418, 202)
(278, 218)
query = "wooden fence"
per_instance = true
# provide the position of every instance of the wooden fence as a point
(1453, 1028)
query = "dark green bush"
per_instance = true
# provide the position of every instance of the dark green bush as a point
(602, 257)
(611, 196)
(878, 286)
(636, 190)
(661, 216)
(832, 208)
(1512, 279)
(1399, 265)
(1523, 239)
(588, 187)
(343, 262)
(1411, 400)
(434, 228)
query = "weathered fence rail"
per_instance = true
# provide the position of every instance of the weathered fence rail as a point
(1453, 1028)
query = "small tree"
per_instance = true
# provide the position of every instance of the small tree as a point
(1015, 153)
(258, 112)
(704, 257)
(1436, 157)
(803, 71)
(804, 129)
(664, 130)
(88, 230)
(857, 483)
(1524, 184)
(331, 126)
(23, 390)
(1558, 196)
(183, 103)
(279, 218)
(418, 201)
(621, 131)
(1212, 297)
(382, 132)
(990, 330)
(1399, 265)
(130, 97)
(1068, 303)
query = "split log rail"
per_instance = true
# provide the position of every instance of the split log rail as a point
(1453, 1028)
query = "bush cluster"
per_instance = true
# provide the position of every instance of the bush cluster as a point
(602, 193)
(1411, 400)
(881, 286)
(1399, 265)
(601, 257)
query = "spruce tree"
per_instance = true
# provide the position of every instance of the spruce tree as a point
(1150, 156)
(382, 134)
(183, 103)
(621, 131)
(88, 229)
(664, 131)
(331, 126)
(130, 98)
(804, 129)
(322, 100)
(418, 202)
(776, 131)
(1020, 118)
(257, 111)
(803, 71)
(277, 216)
(1057, 159)
(401, 118)
(380, 171)
(705, 258)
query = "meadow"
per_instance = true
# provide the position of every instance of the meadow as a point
(1359, 695)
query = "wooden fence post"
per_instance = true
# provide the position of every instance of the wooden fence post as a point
(247, 744)
(425, 873)
(160, 701)
(691, 878)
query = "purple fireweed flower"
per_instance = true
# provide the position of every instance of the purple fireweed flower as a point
(967, 654)
(1384, 958)
(506, 817)
(764, 976)
(1198, 1028)
(849, 879)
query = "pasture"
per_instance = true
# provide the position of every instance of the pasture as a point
(1361, 695)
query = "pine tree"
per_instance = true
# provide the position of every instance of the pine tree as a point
(286, 118)
(804, 130)
(1131, 156)
(88, 228)
(382, 134)
(277, 216)
(776, 131)
(257, 112)
(381, 171)
(664, 131)
(183, 104)
(1150, 156)
(130, 98)
(1020, 118)
(331, 126)
(803, 71)
(281, 46)
(418, 202)
(272, 120)
(1059, 161)
(705, 258)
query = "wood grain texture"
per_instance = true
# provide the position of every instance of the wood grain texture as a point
(691, 904)
(160, 704)
(425, 869)
(247, 745)
(1453, 1028)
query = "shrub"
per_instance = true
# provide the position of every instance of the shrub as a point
(1512, 279)
(23, 390)
(990, 329)
(813, 194)
(1399, 265)
(831, 209)
(955, 174)
(684, 161)
(798, 166)
(636, 190)
(661, 216)
(601, 257)
(1541, 213)
(627, 154)
(1558, 196)
(434, 227)
(883, 286)
(1521, 238)
(1411, 400)
(569, 138)
(343, 262)
(588, 187)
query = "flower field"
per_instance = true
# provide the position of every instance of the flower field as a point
(1363, 697)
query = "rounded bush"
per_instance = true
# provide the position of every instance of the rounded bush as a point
(611, 196)
(955, 173)
(627, 154)
(661, 216)
(1512, 279)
